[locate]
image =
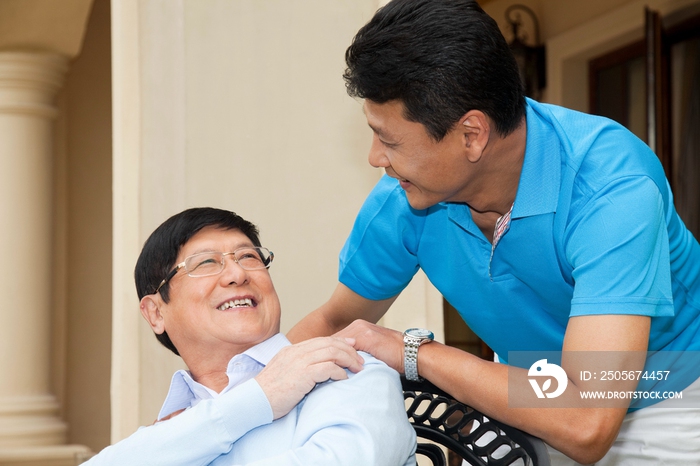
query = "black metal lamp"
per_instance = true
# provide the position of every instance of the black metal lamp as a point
(530, 58)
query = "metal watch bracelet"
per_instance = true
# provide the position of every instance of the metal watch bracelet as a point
(413, 338)
(411, 359)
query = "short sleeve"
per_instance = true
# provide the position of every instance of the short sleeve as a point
(618, 247)
(379, 257)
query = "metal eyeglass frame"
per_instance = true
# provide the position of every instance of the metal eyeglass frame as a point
(266, 264)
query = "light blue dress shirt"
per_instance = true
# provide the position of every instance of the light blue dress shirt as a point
(358, 421)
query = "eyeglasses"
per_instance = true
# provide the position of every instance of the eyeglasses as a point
(205, 264)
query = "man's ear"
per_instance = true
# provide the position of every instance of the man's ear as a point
(150, 310)
(476, 130)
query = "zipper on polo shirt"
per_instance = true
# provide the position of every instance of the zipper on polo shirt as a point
(502, 227)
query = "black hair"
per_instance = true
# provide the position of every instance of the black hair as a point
(441, 59)
(160, 250)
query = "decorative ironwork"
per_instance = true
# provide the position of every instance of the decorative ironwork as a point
(482, 441)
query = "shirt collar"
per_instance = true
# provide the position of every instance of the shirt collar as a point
(540, 177)
(266, 350)
(186, 392)
(538, 189)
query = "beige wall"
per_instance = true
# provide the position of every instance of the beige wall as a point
(86, 110)
(54, 168)
(242, 106)
(46, 25)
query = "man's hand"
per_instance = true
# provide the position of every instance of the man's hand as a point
(296, 370)
(382, 343)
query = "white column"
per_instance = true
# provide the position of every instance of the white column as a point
(29, 412)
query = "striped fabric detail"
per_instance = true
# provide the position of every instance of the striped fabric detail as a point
(502, 225)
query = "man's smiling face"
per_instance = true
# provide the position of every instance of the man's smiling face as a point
(429, 172)
(233, 310)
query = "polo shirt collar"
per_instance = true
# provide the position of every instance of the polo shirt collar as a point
(540, 178)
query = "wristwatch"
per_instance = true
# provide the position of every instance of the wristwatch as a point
(412, 339)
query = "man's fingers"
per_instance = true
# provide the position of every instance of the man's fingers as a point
(382, 343)
(341, 357)
(328, 371)
(329, 349)
(296, 369)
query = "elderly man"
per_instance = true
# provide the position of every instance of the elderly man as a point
(547, 229)
(249, 397)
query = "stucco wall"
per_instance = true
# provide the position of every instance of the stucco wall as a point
(87, 212)
(241, 106)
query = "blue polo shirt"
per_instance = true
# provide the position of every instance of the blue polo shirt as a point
(593, 231)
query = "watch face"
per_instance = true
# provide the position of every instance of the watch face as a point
(420, 333)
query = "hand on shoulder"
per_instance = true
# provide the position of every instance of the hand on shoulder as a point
(296, 370)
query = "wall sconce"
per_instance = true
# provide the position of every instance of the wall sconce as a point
(530, 58)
